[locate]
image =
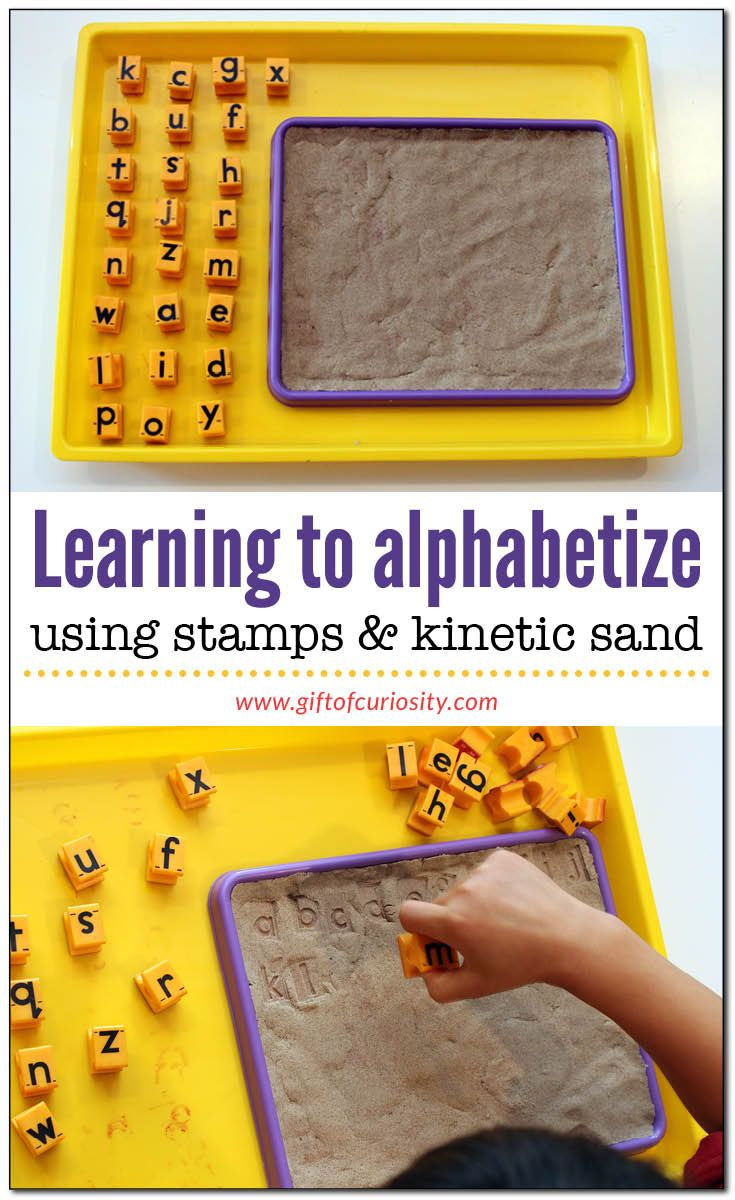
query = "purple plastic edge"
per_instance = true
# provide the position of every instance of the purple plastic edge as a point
(294, 397)
(242, 1008)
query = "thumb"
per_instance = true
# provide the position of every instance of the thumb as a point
(448, 986)
(434, 920)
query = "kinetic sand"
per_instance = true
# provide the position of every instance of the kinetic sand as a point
(435, 259)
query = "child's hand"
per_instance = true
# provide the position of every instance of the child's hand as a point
(511, 925)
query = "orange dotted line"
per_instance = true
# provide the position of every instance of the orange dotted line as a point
(238, 674)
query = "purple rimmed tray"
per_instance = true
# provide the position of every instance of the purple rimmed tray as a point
(291, 396)
(243, 1011)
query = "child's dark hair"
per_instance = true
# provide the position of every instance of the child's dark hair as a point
(527, 1159)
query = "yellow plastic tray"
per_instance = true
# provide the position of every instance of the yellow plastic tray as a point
(354, 70)
(178, 1116)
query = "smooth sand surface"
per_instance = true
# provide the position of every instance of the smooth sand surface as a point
(367, 1071)
(434, 259)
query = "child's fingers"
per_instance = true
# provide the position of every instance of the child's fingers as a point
(447, 986)
(417, 916)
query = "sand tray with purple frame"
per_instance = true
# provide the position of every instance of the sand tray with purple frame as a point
(461, 261)
(352, 1071)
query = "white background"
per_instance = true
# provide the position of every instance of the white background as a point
(572, 700)
(675, 779)
(685, 53)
